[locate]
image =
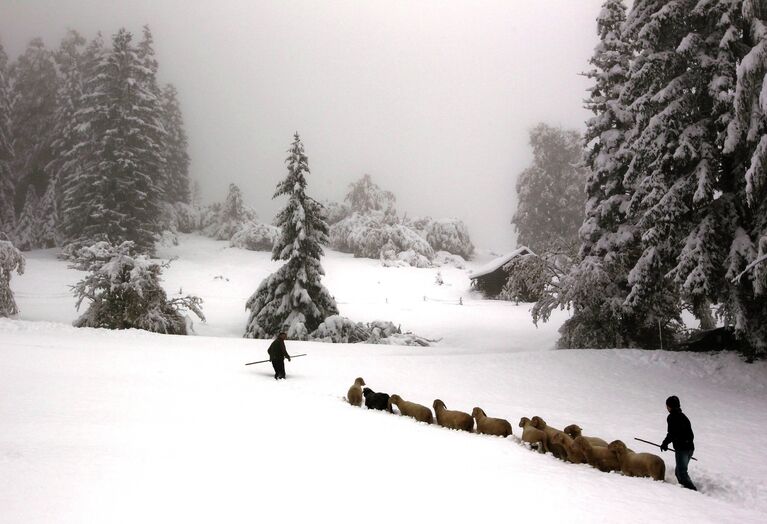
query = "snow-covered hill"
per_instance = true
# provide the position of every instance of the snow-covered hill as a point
(105, 426)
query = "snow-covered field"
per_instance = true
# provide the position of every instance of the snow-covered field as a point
(105, 426)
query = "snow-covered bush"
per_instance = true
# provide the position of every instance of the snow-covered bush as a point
(443, 258)
(340, 329)
(124, 292)
(528, 277)
(451, 235)
(368, 236)
(335, 212)
(209, 218)
(11, 260)
(255, 237)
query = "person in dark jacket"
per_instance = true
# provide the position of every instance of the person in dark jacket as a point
(681, 436)
(277, 354)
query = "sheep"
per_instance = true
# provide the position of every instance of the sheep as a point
(558, 450)
(563, 441)
(452, 419)
(491, 426)
(598, 456)
(375, 400)
(411, 409)
(533, 435)
(354, 395)
(574, 431)
(638, 464)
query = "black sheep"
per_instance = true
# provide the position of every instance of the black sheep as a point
(375, 400)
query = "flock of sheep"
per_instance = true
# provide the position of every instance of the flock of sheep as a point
(567, 444)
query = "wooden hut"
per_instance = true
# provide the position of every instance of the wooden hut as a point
(490, 278)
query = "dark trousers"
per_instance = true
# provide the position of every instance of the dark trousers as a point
(683, 457)
(279, 368)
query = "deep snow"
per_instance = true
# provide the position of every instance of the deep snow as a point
(106, 426)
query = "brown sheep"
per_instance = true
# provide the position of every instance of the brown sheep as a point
(574, 431)
(563, 441)
(638, 464)
(491, 426)
(354, 395)
(558, 450)
(411, 409)
(452, 419)
(533, 435)
(598, 456)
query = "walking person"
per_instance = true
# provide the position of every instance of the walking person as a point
(681, 436)
(277, 354)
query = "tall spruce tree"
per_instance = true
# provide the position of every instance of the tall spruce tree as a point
(176, 181)
(293, 298)
(7, 206)
(116, 194)
(608, 241)
(79, 134)
(67, 131)
(746, 146)
(34, 86)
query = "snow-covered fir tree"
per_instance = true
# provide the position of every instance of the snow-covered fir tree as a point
(609, 242)
(232, 216)
(746, 146)
(34, 87)
(28, 225)
(123, 290)
(678, 90)
(550, 191)
(117, 191)
(79, 133)
(293, 298)
(7, 205)
(11, 260)
(176, 181)
(67, 132)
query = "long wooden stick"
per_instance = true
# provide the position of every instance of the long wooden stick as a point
(268, 360)
(656, 445)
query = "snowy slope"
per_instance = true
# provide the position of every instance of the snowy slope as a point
(101, 426)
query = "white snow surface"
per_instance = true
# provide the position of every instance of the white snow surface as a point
(130, 426)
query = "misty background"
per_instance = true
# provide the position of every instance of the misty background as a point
(433, 99)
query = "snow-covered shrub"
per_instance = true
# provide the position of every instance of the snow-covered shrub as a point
(209, 218)
(406, 239)
(124, 292)
(335, 212)
(255, 237)
(451, 235)
(340, 329)
(443, 258)
(528, 277)
(11, 260)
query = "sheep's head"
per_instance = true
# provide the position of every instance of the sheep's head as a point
(359, 382)
(617, 447)
(573, 430)
(524, 421)
(394, 399)
(367, 392)
(538, 422)
(478, 412)
(438, 404)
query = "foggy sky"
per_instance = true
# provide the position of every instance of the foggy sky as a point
(433, 99)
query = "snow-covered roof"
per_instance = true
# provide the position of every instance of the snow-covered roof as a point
(493, 265)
